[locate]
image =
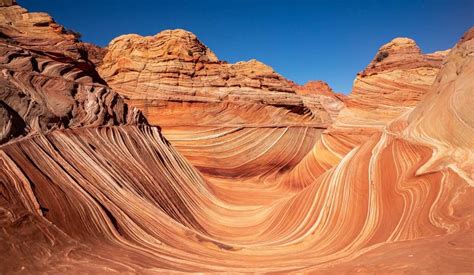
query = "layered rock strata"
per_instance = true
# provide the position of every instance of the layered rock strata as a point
(108, 197)
(394, 82)
(232, 120)
(48, 82)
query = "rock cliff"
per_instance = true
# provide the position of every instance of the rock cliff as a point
(47, 80)
(253, 173)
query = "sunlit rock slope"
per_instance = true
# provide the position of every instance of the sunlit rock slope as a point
(254, 187)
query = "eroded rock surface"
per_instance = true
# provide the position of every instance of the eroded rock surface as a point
(159, 73)
(47, 81)
(209, 108)
(394, 82)
(251, 192)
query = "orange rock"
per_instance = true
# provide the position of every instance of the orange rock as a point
(174, 66)
(180, 85)
(387, 188)
(395, 81)
(47, 80)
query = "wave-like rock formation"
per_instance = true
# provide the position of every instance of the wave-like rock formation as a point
(111, 194)
(393, 83)
(162, 73)
(239, 120)
(47, 80)
(316, 93)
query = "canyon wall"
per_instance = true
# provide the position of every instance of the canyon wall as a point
(238, 169)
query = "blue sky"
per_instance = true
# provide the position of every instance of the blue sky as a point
(302, 40)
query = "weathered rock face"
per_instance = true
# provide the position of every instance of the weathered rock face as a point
(47, 81)
(317, 87)
(145, 208)
(393, 83)
(318, 93)
(36, 31)
(445, 118)
(176, 58)
(258, 191)
(174, 66)
(208, 107)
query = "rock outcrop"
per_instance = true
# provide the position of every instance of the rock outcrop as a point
(48, 82)
(208, 108)
(37, 31)
(159, 73)
(319, 93)
(98, 190)
(394, 82)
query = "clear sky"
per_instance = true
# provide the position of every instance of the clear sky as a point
(302, 40)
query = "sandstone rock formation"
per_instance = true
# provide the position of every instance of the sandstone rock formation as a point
(161, 73)
(47, 81)
(238, 120)
(317, 93)
(103, 191)
(394, 82)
